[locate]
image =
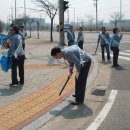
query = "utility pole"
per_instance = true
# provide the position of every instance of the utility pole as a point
(61, 22)
(12, 15)
(120, 15)
(68, 16)
(96, 5)
(63, 5)
(25, 14)
(15, 10)
(74, 17)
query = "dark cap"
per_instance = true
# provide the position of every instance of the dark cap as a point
(12, 24)
(103, 28)
(16, 28)
(21, 26)
(81, 28)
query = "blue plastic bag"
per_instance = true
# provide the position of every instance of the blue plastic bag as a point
(2, 39)
(5, 62)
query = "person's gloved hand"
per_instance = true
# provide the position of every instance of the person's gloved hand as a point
(69, 75)
(77, 75)
(15, 55)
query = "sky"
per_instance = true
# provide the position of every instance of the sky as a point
(81, 9)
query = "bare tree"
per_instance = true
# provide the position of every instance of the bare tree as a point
(50, 8)
(38, 27)
(90, 20)
(1, 26)
(30, 21)
(116, 18)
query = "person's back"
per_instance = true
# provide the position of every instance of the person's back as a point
(15, 45)
(23, 35)
(82, 61)
(70, 36)
(80, 38)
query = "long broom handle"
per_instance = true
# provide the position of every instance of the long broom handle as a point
(64, 86)
(96, 48)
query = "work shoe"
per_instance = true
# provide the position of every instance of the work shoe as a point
(76, 103)
(109, 61)
(115, 65)
(13, 84)
(73, 95)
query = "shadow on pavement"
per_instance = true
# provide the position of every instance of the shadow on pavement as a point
(10, 91)
(119, 68)
(73, 112)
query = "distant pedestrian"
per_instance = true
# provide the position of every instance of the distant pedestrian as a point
(82, 61)
(17, 55)
(103, 39)
(23, 35)
(71, 36)
(115, 42)
(80, 38)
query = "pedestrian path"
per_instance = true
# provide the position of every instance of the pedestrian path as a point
(18, 114)
(43, 81)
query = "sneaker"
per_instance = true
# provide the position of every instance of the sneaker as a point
(115, 65)
(103, 61)
(73, 95)
(21, 83)
(13, 84)
(109, 61)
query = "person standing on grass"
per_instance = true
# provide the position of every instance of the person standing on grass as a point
(82, 61)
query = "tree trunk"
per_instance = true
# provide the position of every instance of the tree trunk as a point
(51, 37)
(30, 28)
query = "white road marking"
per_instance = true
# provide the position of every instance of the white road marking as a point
(124, 53)
(99, 119)
(120, 57)
(127, 50)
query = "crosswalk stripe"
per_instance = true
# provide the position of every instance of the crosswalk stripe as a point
(126, 50)
(124, 53)
(120, 57)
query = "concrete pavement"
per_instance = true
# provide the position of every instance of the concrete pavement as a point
(21, 106)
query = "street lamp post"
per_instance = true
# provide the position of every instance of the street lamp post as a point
(96, 5)
(69, 15)
(74, 17)
(25, 13)
(15, 10)
(120, 14)
(61, 23)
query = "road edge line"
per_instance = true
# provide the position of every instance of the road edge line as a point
(102, 115)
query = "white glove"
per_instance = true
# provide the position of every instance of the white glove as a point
(77, 75)
(69, 75)
(15, 55)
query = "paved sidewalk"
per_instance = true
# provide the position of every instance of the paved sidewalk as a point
(44, 78)
(21, 107)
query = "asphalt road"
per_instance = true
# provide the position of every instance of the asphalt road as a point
(119, 115)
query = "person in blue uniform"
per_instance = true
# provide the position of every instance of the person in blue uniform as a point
(16, 53)
(82, 61)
